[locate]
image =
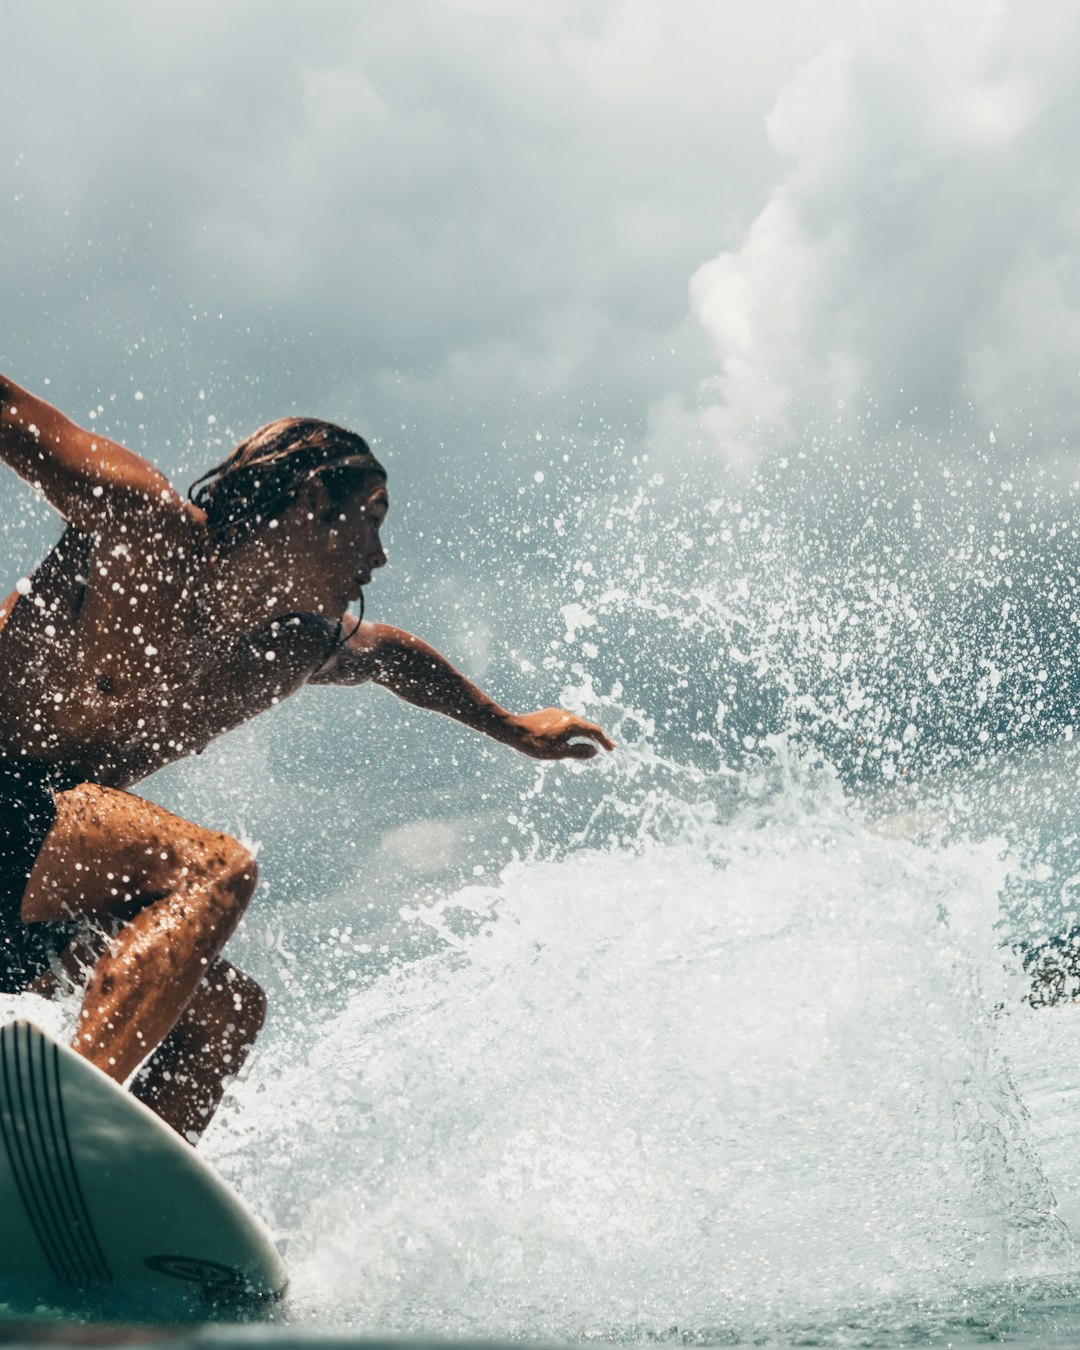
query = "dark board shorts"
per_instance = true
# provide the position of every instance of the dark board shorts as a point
(27, 811)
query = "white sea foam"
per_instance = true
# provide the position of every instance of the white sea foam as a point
(53, 1017)
(712, 1082)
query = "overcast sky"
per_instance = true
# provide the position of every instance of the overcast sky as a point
(442, 217)
(451, 223)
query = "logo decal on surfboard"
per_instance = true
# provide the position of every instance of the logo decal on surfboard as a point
(198, 1271)
(91, 1181)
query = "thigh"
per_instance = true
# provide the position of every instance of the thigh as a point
(107, 851)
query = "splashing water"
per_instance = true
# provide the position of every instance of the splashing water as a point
(719, 1081)
(725, 1040)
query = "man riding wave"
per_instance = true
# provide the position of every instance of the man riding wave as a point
(153, 626)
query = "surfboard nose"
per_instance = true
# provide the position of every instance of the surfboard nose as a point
(97, 1192)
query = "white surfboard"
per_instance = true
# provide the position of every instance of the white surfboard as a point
(97, 1194)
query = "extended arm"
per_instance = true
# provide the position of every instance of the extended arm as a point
(80, 473)
(419, 674)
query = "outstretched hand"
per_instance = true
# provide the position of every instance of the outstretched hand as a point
(555, 734)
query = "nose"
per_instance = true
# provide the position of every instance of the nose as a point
(377, 557)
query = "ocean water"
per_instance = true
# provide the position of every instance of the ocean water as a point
(770, 1078)
(724, 1039)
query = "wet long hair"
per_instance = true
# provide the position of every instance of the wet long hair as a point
(266, 472)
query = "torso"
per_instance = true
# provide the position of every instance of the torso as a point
(118, 660)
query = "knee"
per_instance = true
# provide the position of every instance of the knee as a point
(220, 878)
(237, 872)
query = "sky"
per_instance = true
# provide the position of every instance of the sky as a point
(917, 250)
(522, 240)
(448, 224)
(455, 223)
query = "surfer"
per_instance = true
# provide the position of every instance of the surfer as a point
(153, 626)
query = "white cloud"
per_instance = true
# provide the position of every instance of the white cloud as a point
(447, 213)
(919, 253)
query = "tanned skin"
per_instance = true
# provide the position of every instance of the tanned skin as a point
(138, 644)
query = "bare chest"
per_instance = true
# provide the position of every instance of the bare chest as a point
(117, 659)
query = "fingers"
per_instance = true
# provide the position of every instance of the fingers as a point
(560, 735)
(561, 747)
(581, 750)
(570, 746)
(600, 737)
(566, 750)
(593, 732)
(574, 742)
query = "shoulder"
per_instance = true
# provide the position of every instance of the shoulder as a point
(161, 519)
(353, 654)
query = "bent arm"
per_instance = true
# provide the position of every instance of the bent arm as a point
(79, 473)
(420, 675)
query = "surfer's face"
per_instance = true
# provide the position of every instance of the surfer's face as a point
(333, 548)
(357, 525)
(352, 550)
